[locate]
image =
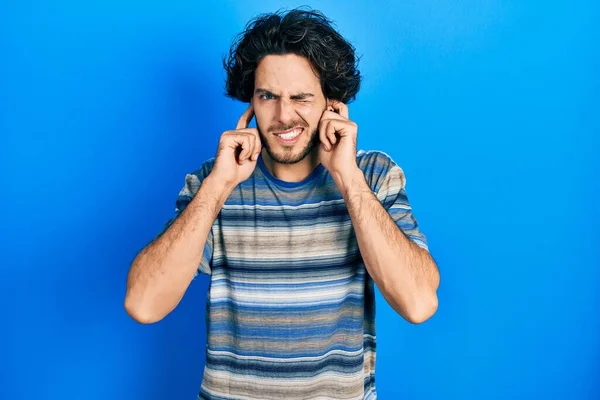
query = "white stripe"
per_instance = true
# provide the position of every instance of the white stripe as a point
(285, 293)
(337, 228)
(284, 360)
(283, 279)
(289, 288)
(279, 253)
(281, 383)
(296, 304)
(281, 206)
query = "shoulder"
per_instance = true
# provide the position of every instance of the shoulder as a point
(374, 159)
(378, 167)
(205, 169)
(194, 179)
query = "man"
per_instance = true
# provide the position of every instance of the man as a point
(294, 227)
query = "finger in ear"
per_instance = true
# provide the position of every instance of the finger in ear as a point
(323, 136)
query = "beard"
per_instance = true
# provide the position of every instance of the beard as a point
(289, 155)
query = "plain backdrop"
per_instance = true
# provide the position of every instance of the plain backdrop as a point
(490, 107)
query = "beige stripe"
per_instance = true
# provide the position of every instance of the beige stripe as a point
(289, 243)
(369, 362)
(268, 319)
(327, 386)
(308, 343)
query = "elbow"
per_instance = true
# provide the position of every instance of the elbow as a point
(417, 307)
(423, 309)
(425, 305)
(141, 312)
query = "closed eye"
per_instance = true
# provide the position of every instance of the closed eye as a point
(264, 94)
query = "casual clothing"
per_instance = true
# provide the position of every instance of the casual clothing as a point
(291, 308)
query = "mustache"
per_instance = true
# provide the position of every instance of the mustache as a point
(280, 128)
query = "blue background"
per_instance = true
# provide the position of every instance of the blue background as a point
(491, 108)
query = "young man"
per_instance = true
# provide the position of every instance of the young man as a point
(294, 227)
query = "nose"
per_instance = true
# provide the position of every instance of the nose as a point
(285, 111)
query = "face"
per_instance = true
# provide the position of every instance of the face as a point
(288, 104)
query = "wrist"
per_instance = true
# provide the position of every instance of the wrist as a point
(350, 180)
(218, 188)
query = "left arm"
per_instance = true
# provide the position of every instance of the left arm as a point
(405, 273)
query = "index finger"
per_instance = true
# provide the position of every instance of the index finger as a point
(246, 117)
(340, 108)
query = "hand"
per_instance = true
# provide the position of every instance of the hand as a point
(338, 136)
(238, 152)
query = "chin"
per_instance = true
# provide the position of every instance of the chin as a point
(292, 156)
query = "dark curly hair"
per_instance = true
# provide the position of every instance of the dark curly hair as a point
(307, 33)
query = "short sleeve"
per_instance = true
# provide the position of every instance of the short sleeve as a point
(193, 182)
(388, 182)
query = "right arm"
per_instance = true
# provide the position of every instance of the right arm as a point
(163, 270)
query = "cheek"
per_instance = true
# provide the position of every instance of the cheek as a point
(262, 124)
(262, 118)
(310, 114)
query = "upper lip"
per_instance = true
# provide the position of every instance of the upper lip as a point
(288, 131)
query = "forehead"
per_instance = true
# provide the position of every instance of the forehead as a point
(287, 73)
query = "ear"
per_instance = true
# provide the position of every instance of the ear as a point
(329, 104)
(253, 112)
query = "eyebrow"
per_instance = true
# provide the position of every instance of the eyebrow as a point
(298, 96)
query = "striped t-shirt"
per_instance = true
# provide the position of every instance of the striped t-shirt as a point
(290, 311)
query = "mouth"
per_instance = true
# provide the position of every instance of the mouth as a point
(290, 136)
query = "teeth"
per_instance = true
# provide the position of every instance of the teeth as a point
(290, 135)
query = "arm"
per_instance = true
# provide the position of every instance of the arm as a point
(163, 270)
(405, 273)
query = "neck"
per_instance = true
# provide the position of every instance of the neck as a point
(292, 172)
